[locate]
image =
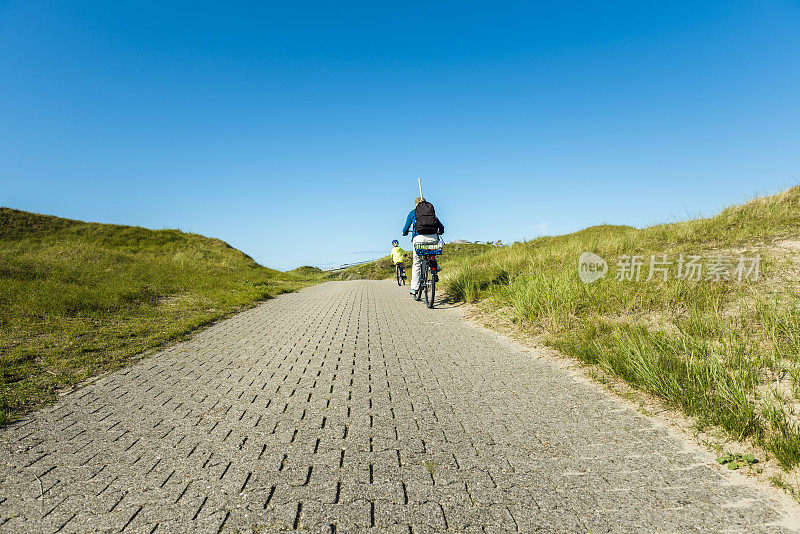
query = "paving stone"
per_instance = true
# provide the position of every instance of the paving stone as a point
(348, 407)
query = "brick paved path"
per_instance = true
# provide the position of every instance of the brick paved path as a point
(348, 406)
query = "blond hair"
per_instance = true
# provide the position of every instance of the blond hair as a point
(418, 200)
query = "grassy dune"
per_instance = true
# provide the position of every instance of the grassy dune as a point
(78, 299)
(727, 353)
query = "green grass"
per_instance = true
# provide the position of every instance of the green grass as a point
(726, 353)
(307, 271)
(78, 299)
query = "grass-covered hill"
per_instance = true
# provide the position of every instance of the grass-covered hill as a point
(306, 271)
(726, 352)
(78, 299)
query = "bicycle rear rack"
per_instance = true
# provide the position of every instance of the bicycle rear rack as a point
(432, 249)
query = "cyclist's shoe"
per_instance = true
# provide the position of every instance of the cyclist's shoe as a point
(436, 277)
(413, 293)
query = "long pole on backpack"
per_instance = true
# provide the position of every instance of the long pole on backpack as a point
(419, 182)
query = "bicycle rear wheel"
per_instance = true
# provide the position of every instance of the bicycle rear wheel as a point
(423, 286)
(426, 267)
(397, 275)
(432, 278)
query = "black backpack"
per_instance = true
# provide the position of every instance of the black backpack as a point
(425, 218)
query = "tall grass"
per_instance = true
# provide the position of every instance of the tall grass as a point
(722, 352)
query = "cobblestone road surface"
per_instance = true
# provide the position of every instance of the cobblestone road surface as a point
(345, 407)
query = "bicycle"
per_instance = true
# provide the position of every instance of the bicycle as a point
(400, 274)
(429, 273)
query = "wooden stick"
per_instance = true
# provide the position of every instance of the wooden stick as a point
(419, 182)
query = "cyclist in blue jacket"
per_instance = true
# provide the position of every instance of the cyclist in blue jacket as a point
(424, 232)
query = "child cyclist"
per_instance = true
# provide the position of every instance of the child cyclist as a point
(398, 255)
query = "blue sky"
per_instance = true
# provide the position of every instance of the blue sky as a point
(296, 130)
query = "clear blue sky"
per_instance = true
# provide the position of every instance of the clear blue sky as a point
(296, 130)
